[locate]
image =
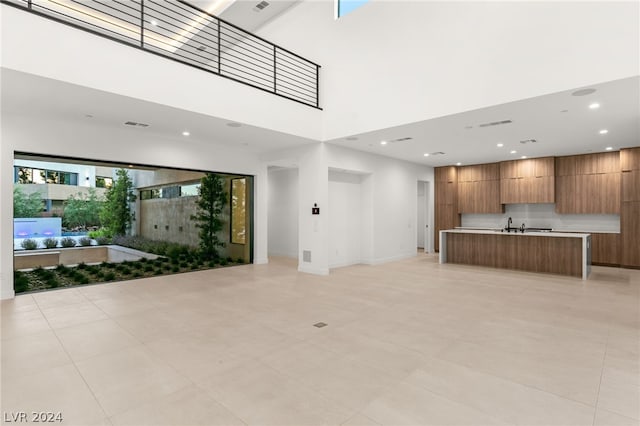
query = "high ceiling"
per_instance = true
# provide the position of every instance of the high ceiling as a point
(560, 123)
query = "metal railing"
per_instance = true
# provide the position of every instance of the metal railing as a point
(185, 33)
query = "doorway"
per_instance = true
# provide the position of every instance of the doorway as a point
(422, 237)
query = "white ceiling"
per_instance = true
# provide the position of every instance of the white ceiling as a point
(43, 99)
(561, 124)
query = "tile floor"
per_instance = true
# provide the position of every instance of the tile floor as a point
(407, 343)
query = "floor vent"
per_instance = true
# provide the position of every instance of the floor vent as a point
(306, 255)
(320, 324)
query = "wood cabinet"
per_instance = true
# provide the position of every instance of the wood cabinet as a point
(446, 201)
(630, 159)
(479, 189)
(630, 233)
(605, 249)
(527, 181)
(630, 207)
(588, 184)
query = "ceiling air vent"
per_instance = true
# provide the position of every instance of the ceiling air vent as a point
(400, 140)
(133, 123)
(495, 123)
(436, 153)
(528, 141)
(258, 7)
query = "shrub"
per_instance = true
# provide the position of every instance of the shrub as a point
(81, 265)
(175, 268)
(194, 266)
(211, 264)
(52, 282)
(240, 260)
(20, 282)
(80, 278)
(223, 262)
(109, 276)
(29, 244)
(166, 267)
(100, 275)
(137, 274)
(184, 265)
(125, 271)
(103, 241)
(157, 272)
(229, 259)
(85, 241)
(108, 265)
(62, 270)
(67, 242)
(143, 260)
(148, 268)
(50, 243)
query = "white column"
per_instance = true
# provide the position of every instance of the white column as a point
(260, 211)
(6, 218)
(313, 230)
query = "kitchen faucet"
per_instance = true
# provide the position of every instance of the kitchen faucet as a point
(508, 228)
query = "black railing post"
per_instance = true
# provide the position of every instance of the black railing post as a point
(219, 52)
(141, 23)
(317, 86)
(29, 4)
(274, 69)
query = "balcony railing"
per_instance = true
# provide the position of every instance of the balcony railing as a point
(185, 33)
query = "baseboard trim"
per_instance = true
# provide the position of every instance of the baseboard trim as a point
(314, 271)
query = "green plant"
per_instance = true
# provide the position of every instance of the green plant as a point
(223, 262)
(20, 282)
(26, 205)
(157, 272)
(148, 268)
(100, 274)
(80, 278)
(125, 271)
(109, 276)
(82, 210)
(62, 270)
(67, 242)
(211, 264)
(29, 244)
(103, 241)
(136, 274)
(81, 265)
(52, 282)
(50, 243)
(116, 215)
(175, 268)
(239, 260)
(184, 265)
(210, 204)
(85, 241)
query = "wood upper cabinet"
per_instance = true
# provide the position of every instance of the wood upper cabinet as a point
(527, 181)
(479, 189)
(630, 165)
(630, 159)
(604, 162)
(588, 184)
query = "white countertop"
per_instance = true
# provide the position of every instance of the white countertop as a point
(529, 233)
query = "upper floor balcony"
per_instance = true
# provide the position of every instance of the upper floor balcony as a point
(185, 33)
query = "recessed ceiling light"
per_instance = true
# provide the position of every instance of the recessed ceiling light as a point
(594, 105)
(523, 157)
(458, 164)
(609, 148)
(500, 145)
(383, 142)
(565, 110)
(234, 124)
(154, 22)
(583, 92)
(604, 131)
(513, 151)
(88, 116)
(426, 154)
(185, 133)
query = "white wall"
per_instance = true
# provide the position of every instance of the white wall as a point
(395, 62)
(43, 47)
(93, 142)
(346, 225)
(544, 216)
(283, 212)
(390, 188)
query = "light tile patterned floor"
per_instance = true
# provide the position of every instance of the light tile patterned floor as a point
(407, 343)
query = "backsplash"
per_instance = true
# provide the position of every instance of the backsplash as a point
(544, 216)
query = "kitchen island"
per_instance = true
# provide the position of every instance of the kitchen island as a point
(561, 253)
